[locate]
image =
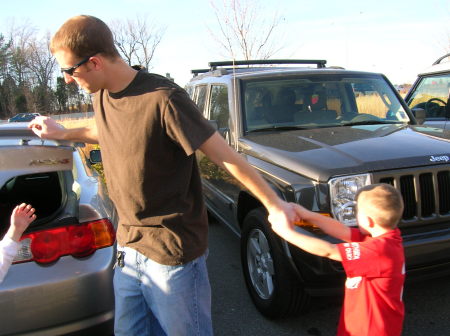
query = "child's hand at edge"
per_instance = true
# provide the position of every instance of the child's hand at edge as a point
(21, 217)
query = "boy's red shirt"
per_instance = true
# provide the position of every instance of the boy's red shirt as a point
(375, 269)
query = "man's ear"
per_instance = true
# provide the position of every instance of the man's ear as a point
(97, 62)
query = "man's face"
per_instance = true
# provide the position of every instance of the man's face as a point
(84, 75)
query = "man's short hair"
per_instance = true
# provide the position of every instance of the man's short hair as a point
(85, 36)
(382, 202)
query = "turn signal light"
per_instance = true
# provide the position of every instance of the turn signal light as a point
(77, 240)
(310, 226)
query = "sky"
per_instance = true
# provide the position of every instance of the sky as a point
(398, 38)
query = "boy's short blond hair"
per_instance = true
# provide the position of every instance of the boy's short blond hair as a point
(85, 36)
(382, 202)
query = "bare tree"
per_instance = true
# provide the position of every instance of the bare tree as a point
(5, 55)
(137, 39)
(244, 31)
(42, 68)
(30, 69)
(20, 37)
(41, 62)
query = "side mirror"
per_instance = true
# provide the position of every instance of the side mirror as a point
(419, 113)
(95, 156)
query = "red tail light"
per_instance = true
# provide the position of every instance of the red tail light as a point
(77, 240)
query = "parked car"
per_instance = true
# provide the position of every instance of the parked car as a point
(22, 117)
(431, 92)
(317, 135)
(61, 280)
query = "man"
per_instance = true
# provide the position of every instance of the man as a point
(149, 130)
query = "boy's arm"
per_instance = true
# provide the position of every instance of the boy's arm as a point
(303, 240)
(8, 250)
(21, 217)
(329, 225)
(47, 128)
(216, 149)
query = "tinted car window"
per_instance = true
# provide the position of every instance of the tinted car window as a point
(200, 96)
(320, 102)
(431, 94)
(219, 106)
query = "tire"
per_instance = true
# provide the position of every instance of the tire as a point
(274, 289)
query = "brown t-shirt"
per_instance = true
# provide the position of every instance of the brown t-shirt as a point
(148, 134)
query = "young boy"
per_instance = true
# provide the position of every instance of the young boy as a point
(373, 260)
(21, 217)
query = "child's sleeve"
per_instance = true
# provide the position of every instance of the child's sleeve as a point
(359, 256)
(8, 250)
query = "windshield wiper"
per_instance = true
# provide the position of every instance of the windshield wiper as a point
(372, 122)
(278, 128)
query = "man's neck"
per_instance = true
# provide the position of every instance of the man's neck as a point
(119, 76)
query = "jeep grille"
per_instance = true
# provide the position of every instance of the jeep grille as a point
(426, 193)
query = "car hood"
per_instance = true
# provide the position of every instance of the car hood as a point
(325, 152)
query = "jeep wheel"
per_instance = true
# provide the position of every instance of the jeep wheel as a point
(274, 289)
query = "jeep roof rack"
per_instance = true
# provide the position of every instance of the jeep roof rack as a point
(195, 72)
(319, 63)
(438, 61)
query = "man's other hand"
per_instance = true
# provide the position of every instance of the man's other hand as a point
(47, 128)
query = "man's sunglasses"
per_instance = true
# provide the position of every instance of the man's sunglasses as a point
(70, 70)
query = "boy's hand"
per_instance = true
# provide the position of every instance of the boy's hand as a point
(46, 128)
(302, 213)
(21, 218)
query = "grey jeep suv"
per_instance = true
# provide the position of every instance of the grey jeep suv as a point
(317, 134)
(61, 279)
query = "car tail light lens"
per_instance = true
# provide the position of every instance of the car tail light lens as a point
(77, 240)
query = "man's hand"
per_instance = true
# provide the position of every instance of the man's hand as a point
(47, 128)
(282, 217)
(283, 225)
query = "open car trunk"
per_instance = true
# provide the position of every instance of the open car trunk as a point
(36, 172)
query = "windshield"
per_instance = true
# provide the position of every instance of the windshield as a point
(431, 94)
(319, 101)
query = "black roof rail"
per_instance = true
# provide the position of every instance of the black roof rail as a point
(438, 61)
(195, 72)
(319, 63)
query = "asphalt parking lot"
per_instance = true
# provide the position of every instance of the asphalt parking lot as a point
(427, 303)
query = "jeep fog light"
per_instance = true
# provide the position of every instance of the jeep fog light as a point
(342, 194)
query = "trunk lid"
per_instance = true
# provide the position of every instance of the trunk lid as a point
(38, 172)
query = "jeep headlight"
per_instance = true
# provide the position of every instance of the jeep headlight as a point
(342, 194)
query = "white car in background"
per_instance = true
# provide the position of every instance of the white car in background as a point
(431, 92)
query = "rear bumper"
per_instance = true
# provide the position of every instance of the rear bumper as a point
(98, 325)
(67, 296)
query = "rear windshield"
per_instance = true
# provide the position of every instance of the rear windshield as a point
(320, 101)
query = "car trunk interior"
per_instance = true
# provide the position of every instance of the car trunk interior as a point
(43, 191)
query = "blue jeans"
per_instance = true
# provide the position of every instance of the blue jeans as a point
(155, 299)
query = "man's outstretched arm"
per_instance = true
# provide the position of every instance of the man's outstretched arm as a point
(216, 149)
(48, 128)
